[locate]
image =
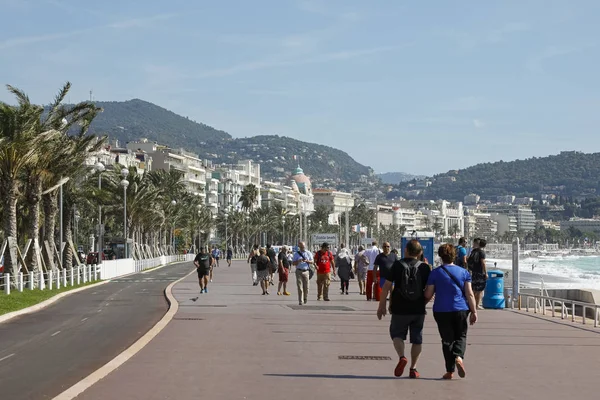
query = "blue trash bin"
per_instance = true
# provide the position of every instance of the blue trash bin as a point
(493, 297)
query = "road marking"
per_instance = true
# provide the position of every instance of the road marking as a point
(84, 319)
(100, 310)
(55, 333)
(7, 357)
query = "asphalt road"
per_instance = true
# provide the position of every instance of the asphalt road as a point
(44, 353)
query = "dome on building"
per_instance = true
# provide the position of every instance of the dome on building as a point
(302, 181)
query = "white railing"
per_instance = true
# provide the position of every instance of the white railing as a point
(52, 279)
(78, 275)
(541, 304)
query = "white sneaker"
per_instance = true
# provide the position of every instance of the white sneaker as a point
(211, 280)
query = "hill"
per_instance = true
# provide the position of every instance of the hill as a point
(135, 119)
(394, 178)
(569, 173)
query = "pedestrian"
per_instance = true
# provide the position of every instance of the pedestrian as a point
(453, 308)
(229, 256)
(252, 261)
(216, 253)
(263, 271)
(381, 266)
(273, 264)
(325, 267)
(371, 254)
(203, 263)
(343, 262)
(303, 260)
(406, 280)
(477, 267)
(461, 253)
(361, 266)
(283, 269)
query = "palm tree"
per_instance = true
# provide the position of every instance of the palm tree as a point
(22, 144)
(249, 197)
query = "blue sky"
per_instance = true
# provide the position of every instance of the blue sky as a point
(420, 87)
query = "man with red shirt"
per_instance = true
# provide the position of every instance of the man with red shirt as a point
(325, 266)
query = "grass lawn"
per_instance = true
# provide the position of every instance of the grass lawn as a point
(18, 300)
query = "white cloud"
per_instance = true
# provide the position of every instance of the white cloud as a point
(47, 37)
(536, 61)
(277, 62)
(479, 124)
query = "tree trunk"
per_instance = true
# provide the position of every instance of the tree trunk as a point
(9, 223)
(68, 232)
(50, 202)
(34, 196)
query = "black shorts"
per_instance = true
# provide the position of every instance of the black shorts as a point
(229, 257)
(401, 324)
(203, 272)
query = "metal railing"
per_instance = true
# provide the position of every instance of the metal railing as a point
(544, 304)
(78, 275)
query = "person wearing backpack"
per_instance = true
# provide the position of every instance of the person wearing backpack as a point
(325, 266)
(408, 277)
(454, 307)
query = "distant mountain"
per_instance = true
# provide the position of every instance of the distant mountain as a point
(134, 119)
(394, 178)
(569, 173)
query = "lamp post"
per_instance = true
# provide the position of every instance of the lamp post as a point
(125, 184)
(226, 215)
(173, 203)
(199, 207)
(76, 223)
(283, 230)
(100, 168)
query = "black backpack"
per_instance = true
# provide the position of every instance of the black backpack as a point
(411, 284)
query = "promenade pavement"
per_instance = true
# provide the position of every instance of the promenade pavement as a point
(234, 343)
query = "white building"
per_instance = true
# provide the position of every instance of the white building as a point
(334, 201)
(505, 223)
(583, 224)
(404, 217)
(471, 199)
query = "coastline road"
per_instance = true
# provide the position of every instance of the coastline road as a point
(46, 352)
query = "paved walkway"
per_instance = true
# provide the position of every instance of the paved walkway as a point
(234, 343)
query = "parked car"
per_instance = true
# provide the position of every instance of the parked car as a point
(92, 257)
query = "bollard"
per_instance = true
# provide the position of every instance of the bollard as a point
(84, 273)
(31, 280)
(72, 277)
(20, 282)
(7, 283)
(78, 275)
(95, 271)
(58, 279)
(90, 273)
(98, 272)
(50, 278)
(64, 277)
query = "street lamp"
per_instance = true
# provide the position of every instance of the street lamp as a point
(173, 203)
(226, 215)
(283, 230)
(100, 168)
(125, 184)
(77, 217)
(199, 207)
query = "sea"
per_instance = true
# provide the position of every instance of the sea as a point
(558, 272)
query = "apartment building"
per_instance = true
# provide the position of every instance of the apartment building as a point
(504, 223)
(112, 154)
(480, 225)
(524, 216)
(583, 224)
(334, 201)
(404, 217)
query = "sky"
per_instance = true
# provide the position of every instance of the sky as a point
(419, 87)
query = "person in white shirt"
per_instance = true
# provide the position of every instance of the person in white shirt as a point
(371, 254)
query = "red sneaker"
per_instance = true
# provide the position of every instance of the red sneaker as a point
(400, 367)
(414, 374)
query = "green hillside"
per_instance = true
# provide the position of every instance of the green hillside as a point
(135, 119)
(567, 174)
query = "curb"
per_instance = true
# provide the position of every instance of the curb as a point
(46, 303)
(53, 299)
(119, 360)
